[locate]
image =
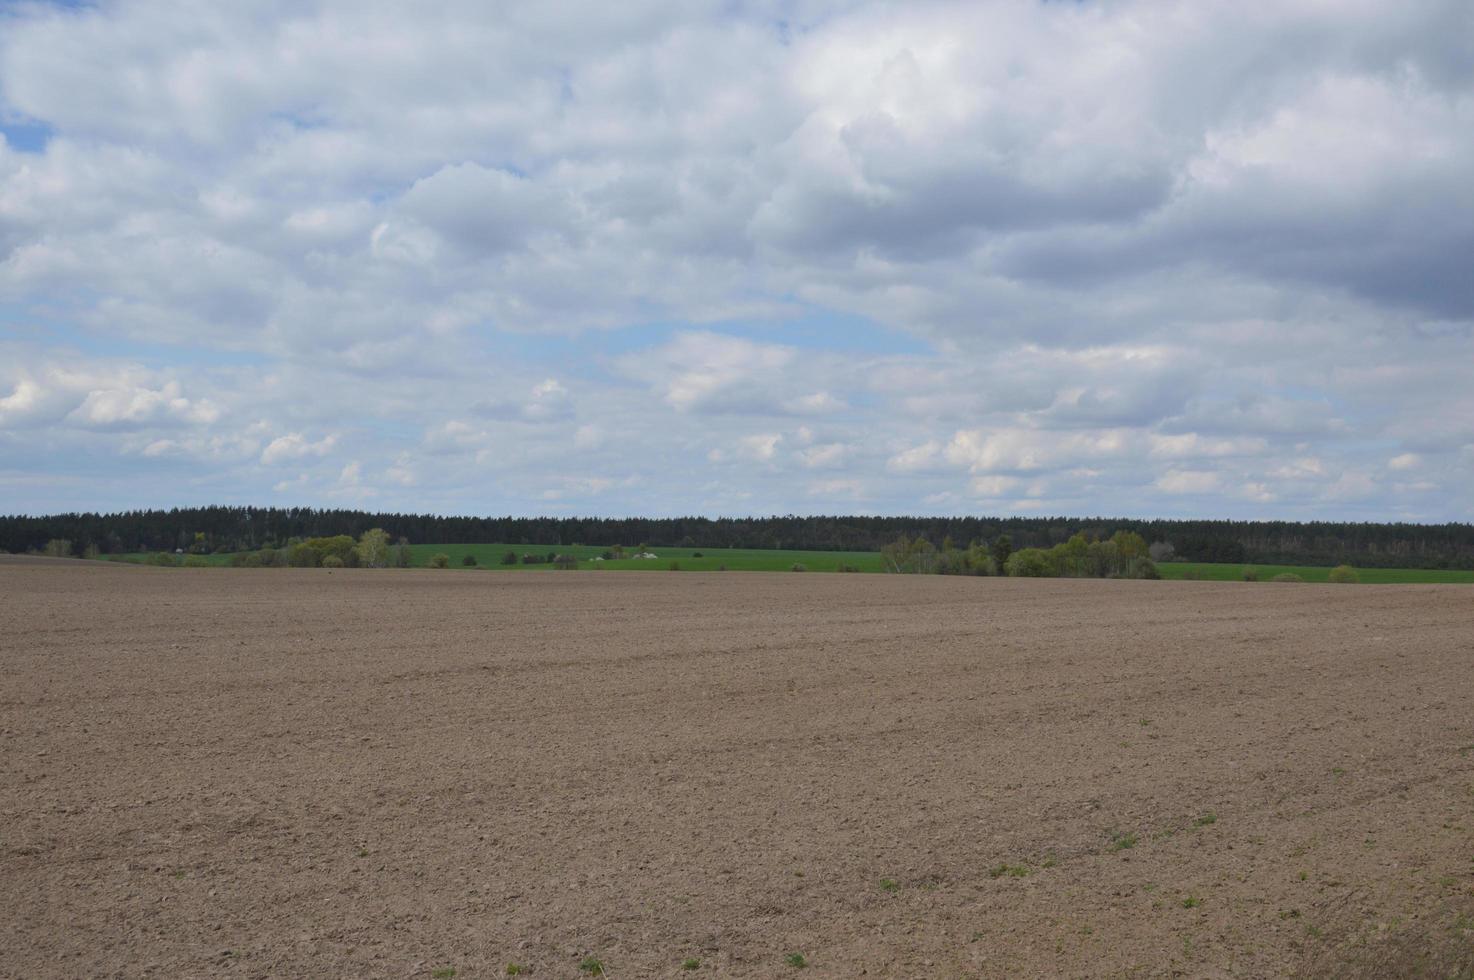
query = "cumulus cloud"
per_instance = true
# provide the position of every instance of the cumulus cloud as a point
(295, 445)
(1026, 255)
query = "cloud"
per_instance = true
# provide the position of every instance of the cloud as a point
(1188, 481)
(1404, 461)
(1106, 257)
(295, 445)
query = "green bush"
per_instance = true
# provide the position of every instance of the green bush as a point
(1029, 563)
(1287, 577)
(441, 560)
(196, 561)
(1343, 575)
(469, 561)
(161, 558)
(565, 562)
(303, 555)
(245, 559)
(510, 558)
(1251, 574)
(332, 561)
(799, 566)
(1146, 568)
(372, 550)
(845, 566)
(58, 548)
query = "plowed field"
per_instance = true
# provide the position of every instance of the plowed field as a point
(272, 773)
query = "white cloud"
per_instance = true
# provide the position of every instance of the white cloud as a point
(295, 445)
(1068, 256)
(825, 456)
(1188, 481)
(760, 447)
(1404, 461)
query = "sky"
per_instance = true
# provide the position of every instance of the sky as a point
(1207, 259)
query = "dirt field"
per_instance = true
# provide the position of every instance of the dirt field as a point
(394, 774)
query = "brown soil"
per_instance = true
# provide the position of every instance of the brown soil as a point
(383, 774)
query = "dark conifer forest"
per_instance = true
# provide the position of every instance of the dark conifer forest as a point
(220, 529)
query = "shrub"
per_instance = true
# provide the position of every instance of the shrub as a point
(697, 554)
(304, 556)
(1343, 575)
(1146, 568)
(1287, 577)
(338, 545)
(161, 558)
(1029, 563)
(58, 548)
(907, 557)
(510, 558)
(331, 561)
(565, 562)
(271, 558)
(845, 566)
(1192, 575)
(675, 566)
(372, 548)
(469, 560)
(441, 560)
(91, 552)
(245, 559)
(196, 561)
(978, 560)
(799, 566)
(1251, 574)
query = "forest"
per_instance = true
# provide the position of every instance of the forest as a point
(231, 529)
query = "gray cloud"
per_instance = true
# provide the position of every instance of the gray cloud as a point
(1201, 259)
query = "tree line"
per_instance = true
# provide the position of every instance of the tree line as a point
(1124, 554)
(232, 529)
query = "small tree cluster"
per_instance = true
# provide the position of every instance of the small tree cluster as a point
(1123, 555)
(371, 550)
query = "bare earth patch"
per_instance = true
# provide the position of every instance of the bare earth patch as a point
(389, 774)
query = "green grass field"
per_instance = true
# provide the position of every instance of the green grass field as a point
(1369, 576)
(489, 557)
(733, 559)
